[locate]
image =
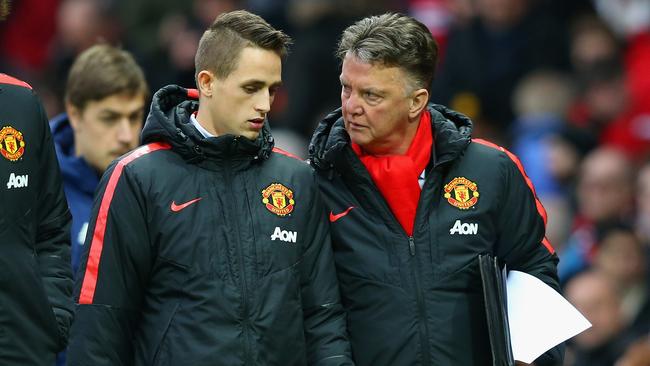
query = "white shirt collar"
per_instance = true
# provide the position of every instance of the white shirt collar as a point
(198, 126)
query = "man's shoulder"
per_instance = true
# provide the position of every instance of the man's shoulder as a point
(283, 158)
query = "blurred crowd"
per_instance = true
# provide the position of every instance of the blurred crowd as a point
(565, 85)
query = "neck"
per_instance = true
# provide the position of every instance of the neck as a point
(203, 117)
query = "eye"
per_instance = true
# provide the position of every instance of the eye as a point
(371, 97)
(108, 120)
(250, 89)
(346, 90)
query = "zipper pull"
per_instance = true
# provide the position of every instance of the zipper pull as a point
(411, 246)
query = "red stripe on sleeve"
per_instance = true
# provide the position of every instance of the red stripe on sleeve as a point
(92, 265)
(6, 79)
(280, 151)
(540, 209)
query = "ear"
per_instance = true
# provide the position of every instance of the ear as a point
(205, 82)
(419, 100)
(74, 115)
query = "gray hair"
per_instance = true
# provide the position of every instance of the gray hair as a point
(393, 39)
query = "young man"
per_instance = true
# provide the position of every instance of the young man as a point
(413, 201)
(105, 95)
(209, 246)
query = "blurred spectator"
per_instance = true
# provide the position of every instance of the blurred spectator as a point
(597, 298)
(616, 105)
(622, 258)
(643, 204)
(604, 198)
(541, 101)
(638, 354)
(26, 35)
(486, 58)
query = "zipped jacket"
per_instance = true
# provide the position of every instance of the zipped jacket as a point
(207, 251)
(418, 300)
(35, 276)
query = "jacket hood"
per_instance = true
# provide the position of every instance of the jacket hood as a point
(169, 121)
(75, 171)
(452, 133)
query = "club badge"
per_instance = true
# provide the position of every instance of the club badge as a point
(12, 144)
(278, 199)
(461, 193)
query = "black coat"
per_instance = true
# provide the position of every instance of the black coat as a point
(207, 252)
(35, 274)
(418, 300)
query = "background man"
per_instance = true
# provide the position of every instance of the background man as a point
(105, 98)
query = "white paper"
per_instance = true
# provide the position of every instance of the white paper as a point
(539, 317)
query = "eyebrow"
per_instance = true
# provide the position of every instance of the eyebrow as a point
(260, 83)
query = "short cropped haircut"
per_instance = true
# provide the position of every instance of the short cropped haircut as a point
(102, 71)
(221, 44)
(393, 40)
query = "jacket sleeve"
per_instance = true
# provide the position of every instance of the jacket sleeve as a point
(53, 234)
(324, 317)
(114, 267)
(522, 243)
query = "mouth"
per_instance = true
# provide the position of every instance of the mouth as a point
(256, 123)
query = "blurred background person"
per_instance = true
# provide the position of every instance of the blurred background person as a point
(597, 298)
(105, 98)
(604, 199)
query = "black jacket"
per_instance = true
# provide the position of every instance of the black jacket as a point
(207, 252)
(35, 275)
(418, 300)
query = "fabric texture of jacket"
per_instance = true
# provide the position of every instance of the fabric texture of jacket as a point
(79, 184)
(207, 251)
(35, 281)
(417, 300)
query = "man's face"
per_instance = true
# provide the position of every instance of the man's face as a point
(376, 106)
(108, 128)
(239, 103)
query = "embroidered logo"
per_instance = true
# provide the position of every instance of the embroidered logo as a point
(176, 208)
(12, 144)
(334, 217)
(461, 193)
(17, 181)
(464, 228)
(284, 235)
(278, 199)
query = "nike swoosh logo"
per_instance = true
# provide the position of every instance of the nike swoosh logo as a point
(333, 217)
(176, 208)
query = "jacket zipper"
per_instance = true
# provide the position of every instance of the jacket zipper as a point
(422, 310)
(242, 269)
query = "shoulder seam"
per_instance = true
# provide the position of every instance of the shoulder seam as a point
(286, 153)
(9, 80)
(91, 272)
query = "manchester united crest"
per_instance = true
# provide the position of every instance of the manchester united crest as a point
(278, 199)
(462, 193)
(12, 144)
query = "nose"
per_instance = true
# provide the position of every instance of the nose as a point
(350, 104)
(263, 102)
(125, 132)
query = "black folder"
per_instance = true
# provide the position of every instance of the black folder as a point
(493, 278)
